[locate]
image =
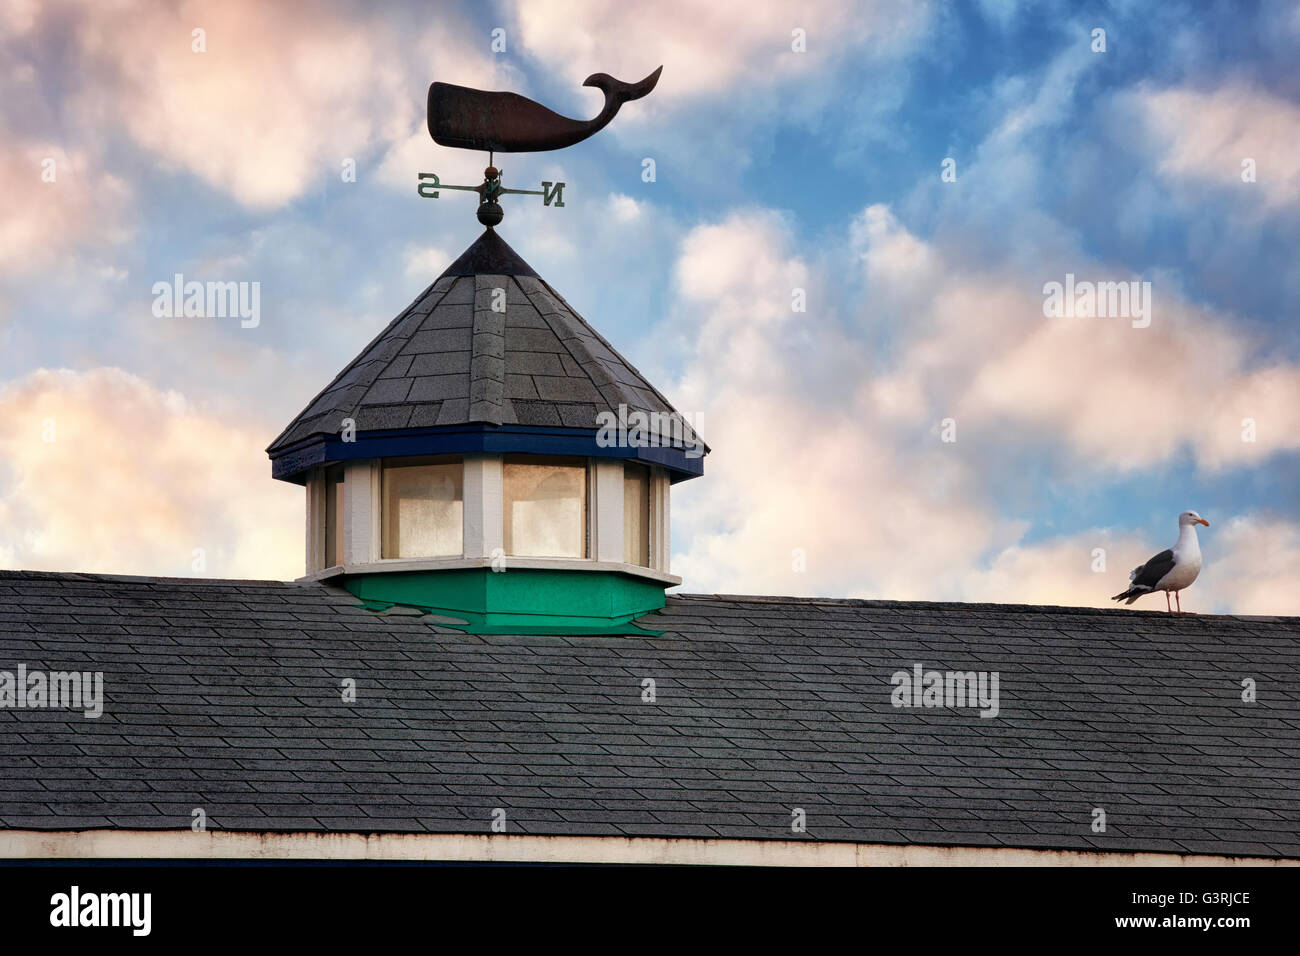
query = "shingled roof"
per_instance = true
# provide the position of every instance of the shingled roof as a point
(225, 695)
(452, 359)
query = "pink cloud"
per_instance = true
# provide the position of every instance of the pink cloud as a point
(103, 472)
(711, 48)
(1206, 136)
(977, 346)
(272, 102)
(848, 496)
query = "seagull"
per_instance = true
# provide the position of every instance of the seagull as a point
(1170, 570)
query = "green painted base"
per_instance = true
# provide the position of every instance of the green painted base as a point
(518, 601)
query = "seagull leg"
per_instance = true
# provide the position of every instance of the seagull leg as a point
(1178, 599)
(1167, 605)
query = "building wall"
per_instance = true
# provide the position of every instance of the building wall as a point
(512, 848)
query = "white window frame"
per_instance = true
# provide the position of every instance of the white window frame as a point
(483, 529)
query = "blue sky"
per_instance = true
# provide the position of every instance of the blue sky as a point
(774, 169)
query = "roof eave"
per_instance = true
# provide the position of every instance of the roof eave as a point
(293, 462)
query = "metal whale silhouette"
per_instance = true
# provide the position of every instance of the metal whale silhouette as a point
(510, 123)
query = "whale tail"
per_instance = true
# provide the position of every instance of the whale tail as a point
(617, 92)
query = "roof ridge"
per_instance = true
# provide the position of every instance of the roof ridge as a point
(586, 358)
(609, 345)
(13, 574)
(970, 606)
(487, 364)
(578, 352)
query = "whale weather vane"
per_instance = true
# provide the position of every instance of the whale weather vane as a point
(500, 122)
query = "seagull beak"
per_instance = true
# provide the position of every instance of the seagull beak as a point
(1202, 521)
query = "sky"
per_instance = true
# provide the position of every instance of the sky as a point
(918, 174)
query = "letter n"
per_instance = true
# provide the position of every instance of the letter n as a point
(553, 193)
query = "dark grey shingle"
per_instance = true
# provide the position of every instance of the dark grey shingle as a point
(452, 330)
(764, 704)
(437, 388)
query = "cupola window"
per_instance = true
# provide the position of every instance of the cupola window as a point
(545, 506)
(636, 514)
(333, 515)
(423, 502)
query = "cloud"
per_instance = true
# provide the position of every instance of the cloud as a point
(812, 470)
(825, 423)
(274, 101)
(1066, 571)
(710, 49)
(796, 478)
(426, 262)
(134, 479)
(1251, 566)
(975, 345)
(624, 209)
(41, 220)
(1203, 137)
(17, 17)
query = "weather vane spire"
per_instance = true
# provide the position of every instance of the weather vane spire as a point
(502, 122)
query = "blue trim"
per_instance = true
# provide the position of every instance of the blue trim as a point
(292, 463)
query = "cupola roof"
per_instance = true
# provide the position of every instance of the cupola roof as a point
(489, 343)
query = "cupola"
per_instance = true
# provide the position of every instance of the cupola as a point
(491, 459)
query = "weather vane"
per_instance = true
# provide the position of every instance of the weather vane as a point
(509, 123)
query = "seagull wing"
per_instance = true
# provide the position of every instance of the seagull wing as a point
(1149, 574)
(1145, 577)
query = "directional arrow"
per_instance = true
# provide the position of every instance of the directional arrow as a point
(489, 191)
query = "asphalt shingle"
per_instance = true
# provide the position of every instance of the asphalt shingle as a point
(226, 695)
(455, 349)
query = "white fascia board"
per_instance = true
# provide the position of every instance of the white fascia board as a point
(521, 848)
